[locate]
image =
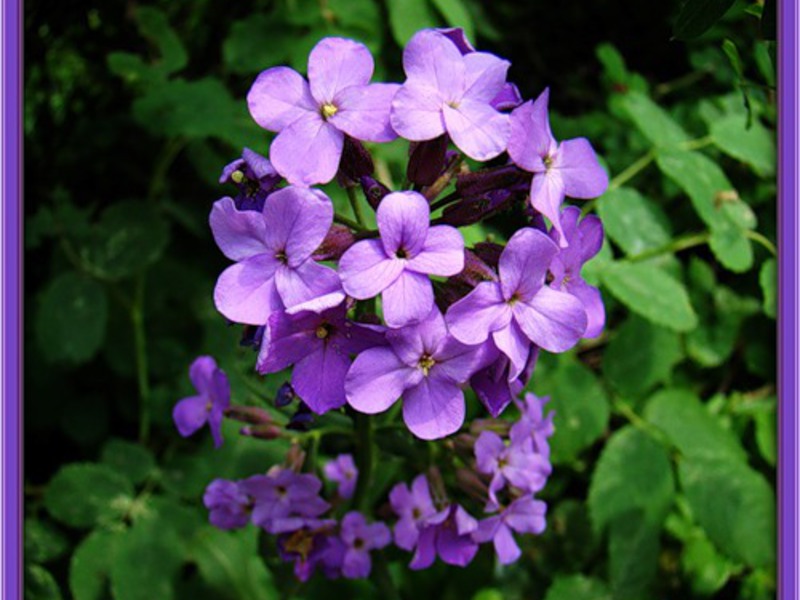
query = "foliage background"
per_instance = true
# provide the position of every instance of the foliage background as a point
(665, 445)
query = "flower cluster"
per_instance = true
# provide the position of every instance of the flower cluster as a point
(402, 318)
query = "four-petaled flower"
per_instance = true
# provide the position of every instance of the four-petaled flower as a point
(208, 405)
(343, 471)
(413, 506)
(524, 515)
(359, 538)
(284, 500)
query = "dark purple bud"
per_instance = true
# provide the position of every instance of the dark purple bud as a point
(427, 160)
(488, 252)
(255, 178)
(452, 164)
(252, 335)
(464, 443)
(356, 162)
(301, 419)
(295, 458)
(285, 395)
(508, 98)
(477, 208)
(472, 484)
(437, 487)
(262, 432)
(374, 191)
(486, 180)
(248, 414)
(339, 239)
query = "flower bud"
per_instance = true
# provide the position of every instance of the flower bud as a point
(338, 239)
(295, 458)
(374, 191)
(472, 484)
(285, 395)
(248, 414)
(262, 432)
(356, 162)
(478, 208)
(507, 177)
(427, 160)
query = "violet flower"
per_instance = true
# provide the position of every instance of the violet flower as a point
(312, 547)
(534, 423)
(359, 539)
(447, 92)
(447, 534)
(569, 168)
(254, 176)
(398, 264)
(312, 118)
(585, 238)
(496, 388)
(208, 406)
(423, 364)
(343, 471)
(520, 309)
(273, 252)
(229, 507)
(524, 515)
(413, 506)
(319, 347)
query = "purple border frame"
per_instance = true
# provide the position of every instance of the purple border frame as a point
(788, 300)
(11, 299)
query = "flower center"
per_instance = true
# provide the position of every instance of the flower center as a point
(323, 331)
(453, 104)
(300, 542)
(548, 161)
(514, 299)
(416, 513)
(401, 253)
(327, 110)
(280, 255)
(237, 176)
(426, 363)
(281, 491)
(358, 543)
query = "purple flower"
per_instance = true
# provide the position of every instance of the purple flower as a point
(515, 464)
(423, 364)
(496, 388)
(585, 239)
(524, 515)
(359, 539)
(312, 547)
(447, 92)
(566, 169)
(520, 309)
(319, 347)
(284, 500)
(448, 533)
(343, 471)
(208, 406)
(312, 118)
(254, 176)
(273, 252)
(413, 507)
(534, 424)
(397, 265)
(229, 507)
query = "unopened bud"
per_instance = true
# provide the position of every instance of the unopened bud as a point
(356, 162)
(285, 395)
(338, 239)
(464, 444)
(472, 484)
(295, 457)
(262, 432)
(374, 191)
(427, 160)
(488, 252)
(487, 180)
(248, 414)
(478, 208)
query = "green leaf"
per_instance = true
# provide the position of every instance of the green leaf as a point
(71, 318)
(406, 17)
(229, 563)
(697, 16)
(40, 584)
(456, 15)
(693, 430)
(768, 278)
(245, 51)
(129, 237)
(133, 69)
(651, 293)
(632, 221)
(766, 434)
(652, 120)
(707, 569)
(581, 409)
(735, 505)
(153, 24)
(613, 62)
(132, 460)
(640, 356)
(753, 145)
(633, 548)
(43, 542)
(90, 565)
(578, 587)
(84, 494)
(633, 473)
(732, 248)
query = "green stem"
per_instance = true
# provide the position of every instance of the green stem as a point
(626, 411)
(632, 171)
(676, 245)
(383, 578)
(168, 155)
(364, 459)
(348, 222)
(354, 204)
(763, 240)
(142, 375)
(449, 199)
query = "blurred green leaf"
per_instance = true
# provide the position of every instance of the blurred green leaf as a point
(40, 584)
(578, 587)
(753, 145)
(133, 69)
(731, 247)
(406, 17)
(456, 15)
(153, 25)
(91, 563)
(257, 43)
(708, 569)
(632, 221)
(651, 293)
(768, 278)
(697, 16)
(767, 434)
(633, 473)
(633, 548)
(71, 318)
(129, 459)
(652, 120)
(84, 494)
(43, 542)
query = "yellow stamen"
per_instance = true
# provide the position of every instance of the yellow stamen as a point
(328, 110)
(237, 176)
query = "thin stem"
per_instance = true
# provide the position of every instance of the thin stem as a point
(348, 222)
(676, 245)
(763, 240)
(354, 204)
(364, 459)
(168, 155)
(626, 411)
(142, 374)
(449, 199)
(632, 171)
(698, 143)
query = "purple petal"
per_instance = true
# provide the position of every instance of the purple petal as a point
(260, 165)
(479, 313)
(457, 36)
(376, 380)
(239, 234)
(582, 174)
(426, 549)
(506, 546)
(456, 361)
(477, 129)
(410, 343)
(442, 253)
(406, 534)
(485, 76)
(308, 151)
(433, 60)
(308, 282)
(512, 342)
(364, 112)
(357, 564)
(524, 263)
(526, 515)
(417, 113)
(379, 536)
(592, 303)
(551, 319)
(408, 300)
(335, 64)
(403, 223)
(190, 414)
(278, 97)
(246, 293)
(201, 373)
(434, 408)
(297, 220)
(507, 98)
(531, 140)
(547, 195)
(488, 448)
(591, 233)
(366, 271)
(319, 379)
(455, 549)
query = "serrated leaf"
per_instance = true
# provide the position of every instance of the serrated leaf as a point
(456, 15)
(693, 430)
(632, 221)
(633, 547)
(697, 16)
(652, 120)
(753, 145)
(640, 356)
(735, 505)
(651, 293)
(40, 584)
(132, 460)
(71, 318)
(581, 409)
(578, 587)
(768, 278)
(43, 542)
(633, 473)
(91, 563)
(406, 17)
(84, 494)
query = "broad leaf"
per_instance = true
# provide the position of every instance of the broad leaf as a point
(632, 221)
